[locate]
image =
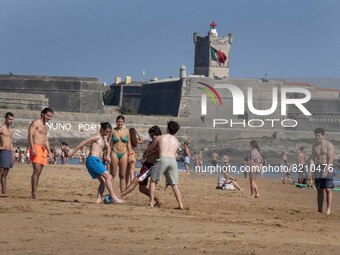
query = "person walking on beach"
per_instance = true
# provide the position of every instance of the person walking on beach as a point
(196, 160)
(286, 168)
(200, 158)
(254, 163)
(6, 150)
(39, 147)
(323, 156)
(168, 146)
(64, 153)
(120, 151)
(150, 157)
(187, 156)
(225, 160)
(94, 163)
(302, 177)
(214, 158)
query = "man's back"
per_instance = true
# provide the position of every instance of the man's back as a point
(167, 145)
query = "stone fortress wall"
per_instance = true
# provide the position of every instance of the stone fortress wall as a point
(67, 94)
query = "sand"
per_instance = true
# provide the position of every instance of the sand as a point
(65, 219)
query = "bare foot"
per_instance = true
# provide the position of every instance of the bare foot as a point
(34, 195)
(152, 204)
(242, 190)
(328, 211)
(159, 203)
(180, 208)
(116, 200)
(99, 200)
(257, 196)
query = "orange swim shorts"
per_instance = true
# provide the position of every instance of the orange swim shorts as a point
(41, 155)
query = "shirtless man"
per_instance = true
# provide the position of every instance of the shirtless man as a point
(225, 160)
(214, 158)
(301, 162)
(167, 146)
(196, 160)
(39, 147)
(323, 156)
(94, 163)
(6, 149)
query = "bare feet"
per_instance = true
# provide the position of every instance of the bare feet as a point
(116, 200)
(99, 200)
(34, 195)
(159, 203)
(180, 208)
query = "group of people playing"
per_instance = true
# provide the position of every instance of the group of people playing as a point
(118, 146)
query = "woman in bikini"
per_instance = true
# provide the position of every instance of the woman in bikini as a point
(120, 151)
(135, 140)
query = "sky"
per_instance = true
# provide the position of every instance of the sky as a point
(109, 38)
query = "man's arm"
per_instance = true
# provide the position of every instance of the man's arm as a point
(313, 153)
(330, 158)
(154, 144)
(139, 140)
(11, 138)
(47, 146)
(83, 143)
(1, 147)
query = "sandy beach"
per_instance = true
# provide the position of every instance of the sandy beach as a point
(65, 219)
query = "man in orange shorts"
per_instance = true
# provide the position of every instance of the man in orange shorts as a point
(39, 146)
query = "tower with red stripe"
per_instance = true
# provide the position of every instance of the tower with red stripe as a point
(212, 53)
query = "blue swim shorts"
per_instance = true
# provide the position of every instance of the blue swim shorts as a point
(323, 183)
(95, 166)
(6, 159)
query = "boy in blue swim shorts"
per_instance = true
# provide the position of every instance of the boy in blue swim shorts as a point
(94, 163)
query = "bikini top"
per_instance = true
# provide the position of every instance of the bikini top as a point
(115, 139)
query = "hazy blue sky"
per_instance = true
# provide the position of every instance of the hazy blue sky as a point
(108, 38)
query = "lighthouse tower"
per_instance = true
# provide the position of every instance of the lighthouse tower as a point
(212, 54)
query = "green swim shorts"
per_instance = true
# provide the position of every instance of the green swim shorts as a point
(168, 167)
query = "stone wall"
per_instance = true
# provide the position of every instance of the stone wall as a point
(68, 94)
(23, 101)
(161, 98)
